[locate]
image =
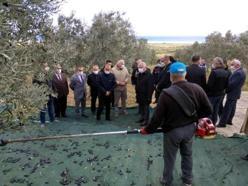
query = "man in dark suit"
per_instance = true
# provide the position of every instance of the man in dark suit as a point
(216, 86)
(196, 74)
(106, 85)
(235, 84)
(92, 81)
(60, 87)
(164, 76)
(144, 89)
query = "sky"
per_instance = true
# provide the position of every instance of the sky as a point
(168, 18)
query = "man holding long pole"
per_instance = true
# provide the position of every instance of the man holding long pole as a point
(178, 116)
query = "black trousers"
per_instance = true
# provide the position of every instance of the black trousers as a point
(60, 105)
(104, 101)
(94, 95)
(112, 99)
(216, 102)
(228, 112)
(144, 111)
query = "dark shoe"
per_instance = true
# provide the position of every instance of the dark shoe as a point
(64, 116)
(229, 123)
(221, 126)
(85, 116)
(140, 121)
(108, 119)
(98, 118)
(245, 157)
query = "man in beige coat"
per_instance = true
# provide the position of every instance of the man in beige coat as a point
(121, 75)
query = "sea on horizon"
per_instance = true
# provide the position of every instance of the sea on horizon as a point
(173, 39)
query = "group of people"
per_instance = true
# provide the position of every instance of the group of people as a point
(222, 80)
(172, 82)
(109, 86)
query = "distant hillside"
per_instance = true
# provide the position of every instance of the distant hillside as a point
(167, 48)
(174, 39)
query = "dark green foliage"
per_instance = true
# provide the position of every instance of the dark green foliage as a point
(20, 58)
(28, 39)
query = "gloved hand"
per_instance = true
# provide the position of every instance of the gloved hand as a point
(143, 131)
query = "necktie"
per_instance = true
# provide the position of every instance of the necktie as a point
(81, 78)
(59, 77)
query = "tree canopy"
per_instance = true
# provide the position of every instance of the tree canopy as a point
(228, 47)
(28, 38)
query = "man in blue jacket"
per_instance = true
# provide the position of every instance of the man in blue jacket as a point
(235, 84)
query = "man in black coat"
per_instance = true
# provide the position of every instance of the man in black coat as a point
(164, 76)
(235, 84)
(135, 71)
(157, 70)
(178, 128)
(106, 85)
(196, 74)
(144, 89)
(216, 86)
(92, 81)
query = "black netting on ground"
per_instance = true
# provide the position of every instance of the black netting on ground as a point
(113, 160)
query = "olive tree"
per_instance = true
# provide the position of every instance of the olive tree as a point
(20, 56)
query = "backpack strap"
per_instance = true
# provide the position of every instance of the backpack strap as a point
(182, 99)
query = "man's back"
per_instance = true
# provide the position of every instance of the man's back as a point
(197, 75)
(217, 82)
(172, 114)
(164, 78)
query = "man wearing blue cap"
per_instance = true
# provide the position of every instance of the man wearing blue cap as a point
(179, 108)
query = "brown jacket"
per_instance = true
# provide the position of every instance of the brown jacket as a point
(60, 86)
(120, 76)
